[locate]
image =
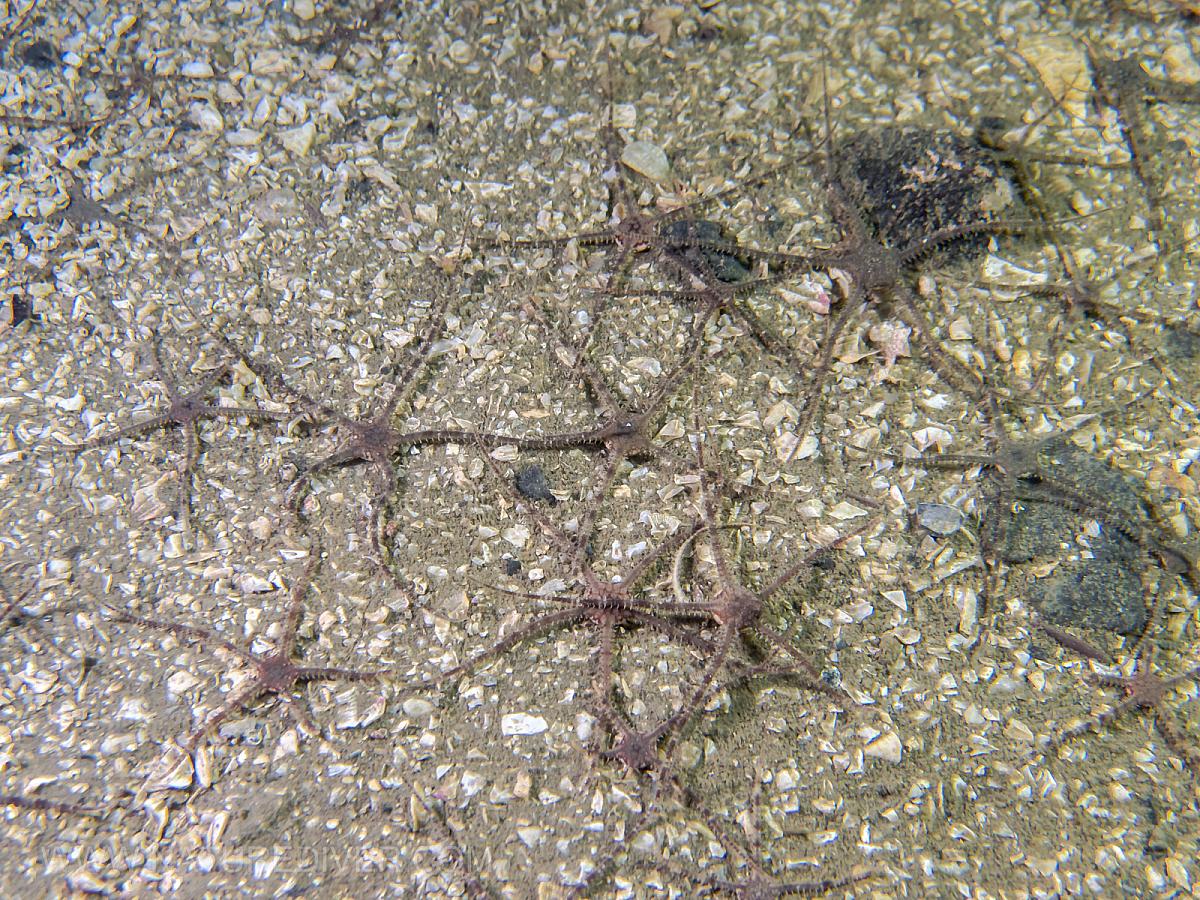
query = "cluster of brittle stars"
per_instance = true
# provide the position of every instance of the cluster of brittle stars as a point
(726, 624)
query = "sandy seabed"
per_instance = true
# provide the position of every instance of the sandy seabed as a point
(280, 209)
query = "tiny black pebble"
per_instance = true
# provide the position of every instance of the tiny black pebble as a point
(22, 309)
(825, 562)
(359, 191)
(531, 482)
(512, 566)
(41, 55)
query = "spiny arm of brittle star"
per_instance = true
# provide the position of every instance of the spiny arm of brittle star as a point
(540, 625)
(717, 295)
(728, 634)
(164, 420)
(768, 888)
(952, 370)
(131, 430)
(670, 545)
(299, 714)
(191, 454)
(1096, 722)
(599, 487)
(237, 412)
(956, 460)
(38, 804)
(921, 247)
(585, 239)
(333, 673)
(168, 379)
(655, 622)
(419, 358)
(811, 557)
(707, 503)
(1086, 296)
(1190, 675)
(851, 308)
(1071, 642)
(492, 439)
(241, 698)
(689, 358)
(602, 679)
(347, 455)
(590, 437)
(291, 619)
(552, 597)
(191, 632)
(591, 376)
(1176, 740)
(764, 334)
(811, 677)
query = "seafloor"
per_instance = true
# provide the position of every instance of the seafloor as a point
(248, 184)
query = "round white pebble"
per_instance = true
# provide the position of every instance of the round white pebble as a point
(522, 723)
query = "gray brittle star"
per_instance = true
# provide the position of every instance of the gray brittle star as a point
(673, 240)
(183, 411)
(757, 883)
(372, 440)
(600, 602)
(740, 612)
(1145, 690)
(1030, 469)
(273, 674)
(624, 432)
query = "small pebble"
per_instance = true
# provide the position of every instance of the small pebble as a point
(19, 309)
(522, 724)
(461, 52)
(40, 54)
(531, 482)
(939, 518)
(299, 140)
(886, 747)
(647, 159)
(197, 68)
(415, 707)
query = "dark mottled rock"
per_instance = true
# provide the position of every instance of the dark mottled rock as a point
(910, 182)
(1102, 592)
(531, 482)
(40, 55)
(512, 566)
(725, 266)
(1091, 477)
